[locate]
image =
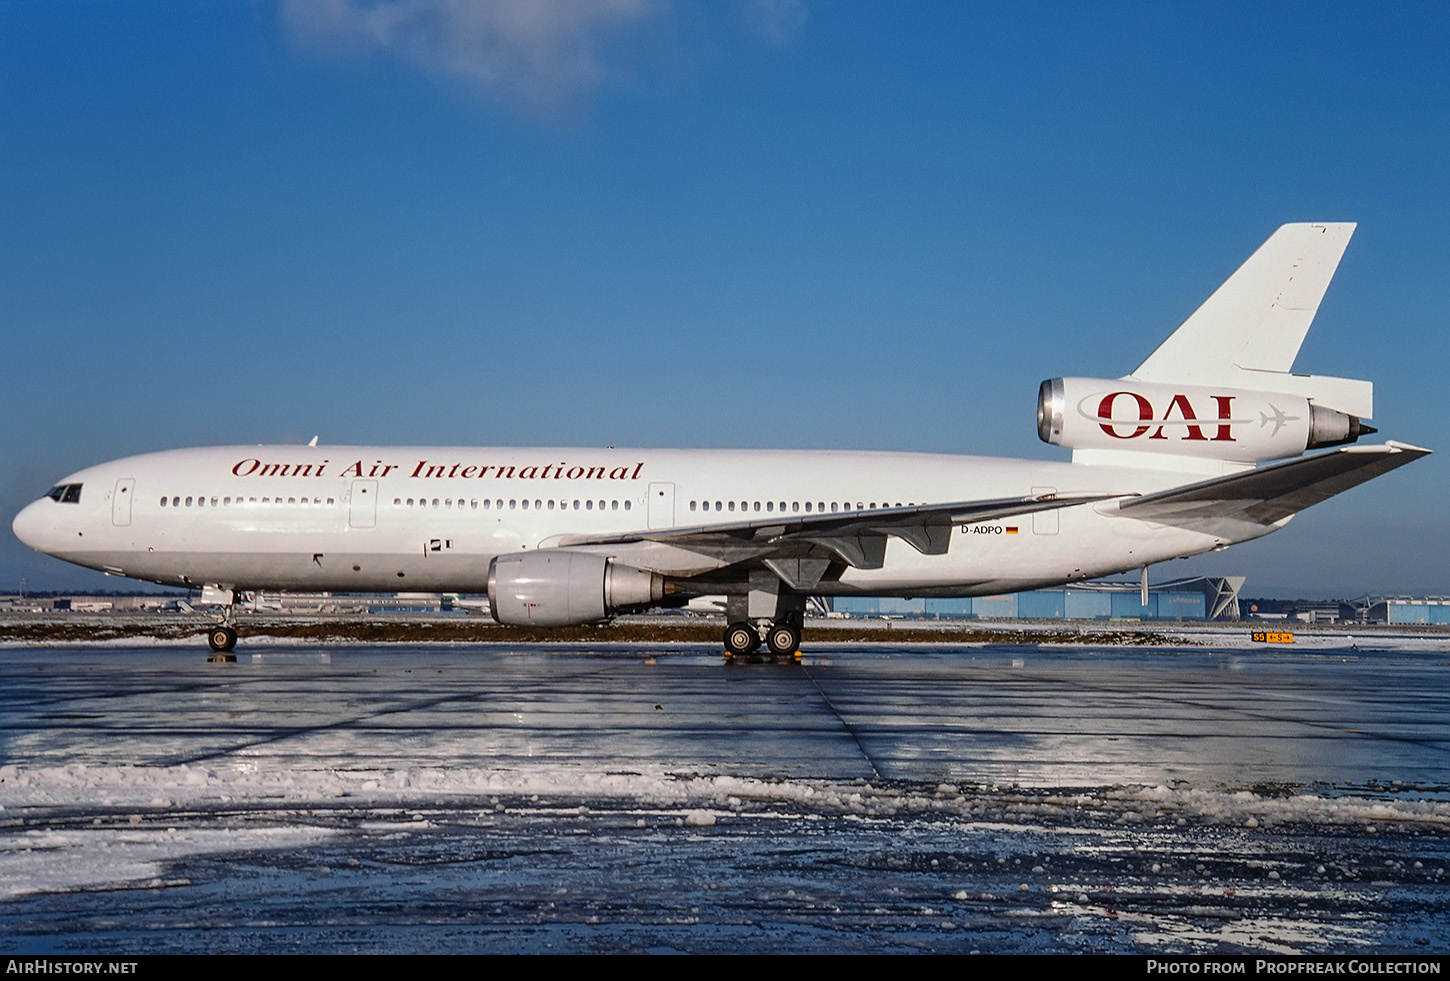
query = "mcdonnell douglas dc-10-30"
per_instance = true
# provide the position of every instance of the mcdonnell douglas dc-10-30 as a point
(1169, 461)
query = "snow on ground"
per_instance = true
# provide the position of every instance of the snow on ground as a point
(134, 811)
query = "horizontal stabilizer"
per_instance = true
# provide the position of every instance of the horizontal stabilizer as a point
(1273, 493)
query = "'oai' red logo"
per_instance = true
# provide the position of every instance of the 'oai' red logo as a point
(1146, 419)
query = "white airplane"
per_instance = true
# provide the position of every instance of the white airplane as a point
(1168, 461)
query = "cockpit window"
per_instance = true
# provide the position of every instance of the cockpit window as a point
(65, 493)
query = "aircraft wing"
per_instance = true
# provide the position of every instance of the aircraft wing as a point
(1270, 494)
(800, 547)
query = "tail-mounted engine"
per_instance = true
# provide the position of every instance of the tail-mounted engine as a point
(1215, 423)
(563, 587)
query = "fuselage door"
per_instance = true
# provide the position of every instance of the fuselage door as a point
(121, 501)
(362, 507)
(661, 505)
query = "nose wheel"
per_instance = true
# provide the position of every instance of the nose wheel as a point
(222, 639)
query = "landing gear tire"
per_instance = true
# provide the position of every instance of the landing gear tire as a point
(222, 639)
(740, 639)
(784, 640)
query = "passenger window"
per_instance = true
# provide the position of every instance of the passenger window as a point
(163, 502)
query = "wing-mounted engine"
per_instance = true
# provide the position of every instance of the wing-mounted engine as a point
(564, 587)
(1212, 423)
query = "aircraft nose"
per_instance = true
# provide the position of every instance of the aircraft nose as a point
(33, 526)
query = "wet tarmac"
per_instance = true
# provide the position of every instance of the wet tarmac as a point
(459, 799)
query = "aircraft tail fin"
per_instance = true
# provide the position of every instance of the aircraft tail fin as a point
(1247, 334)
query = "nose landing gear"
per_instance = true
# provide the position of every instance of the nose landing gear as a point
(221, 638)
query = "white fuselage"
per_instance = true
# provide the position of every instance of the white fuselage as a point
(432, 518)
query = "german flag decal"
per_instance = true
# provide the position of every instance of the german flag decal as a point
(1011, 529)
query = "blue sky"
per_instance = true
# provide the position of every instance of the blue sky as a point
(758, 224)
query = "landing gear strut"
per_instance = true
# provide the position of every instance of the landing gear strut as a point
(223, 637)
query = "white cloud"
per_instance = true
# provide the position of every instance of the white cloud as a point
(544, 54)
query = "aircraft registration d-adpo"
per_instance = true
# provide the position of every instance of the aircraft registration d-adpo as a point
(1202, 446)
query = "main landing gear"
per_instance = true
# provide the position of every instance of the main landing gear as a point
(782, 639)
(764, 613)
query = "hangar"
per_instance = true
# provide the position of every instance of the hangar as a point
(1199, 598)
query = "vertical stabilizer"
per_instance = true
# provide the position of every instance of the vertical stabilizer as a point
(1247, 334)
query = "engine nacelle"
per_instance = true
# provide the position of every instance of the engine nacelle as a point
(1216, 423)
(562, 587)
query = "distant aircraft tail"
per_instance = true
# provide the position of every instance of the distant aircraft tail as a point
(1218, 394)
